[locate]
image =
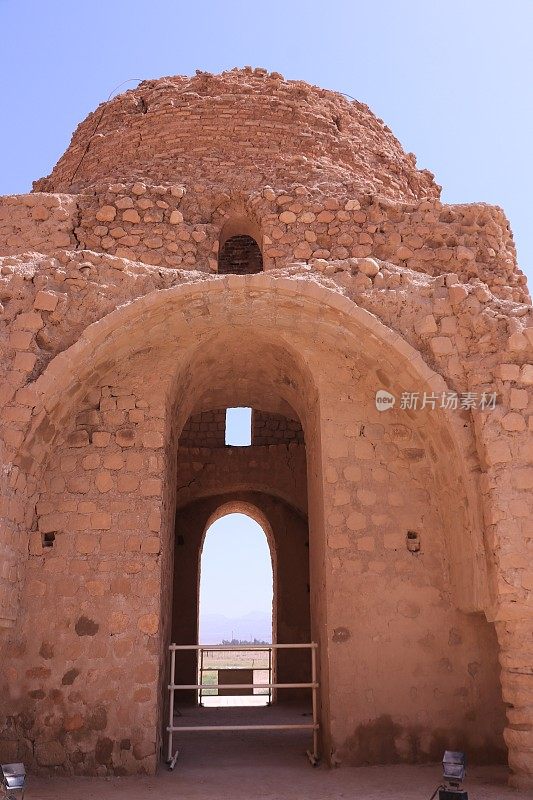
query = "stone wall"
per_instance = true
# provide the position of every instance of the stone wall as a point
(275, 429)
(43, 223)
(278, 469)
(206, 429)
(168, 226)
(106, 474)
(402, 643)
(101, 504)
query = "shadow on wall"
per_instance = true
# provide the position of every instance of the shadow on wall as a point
(383, 741)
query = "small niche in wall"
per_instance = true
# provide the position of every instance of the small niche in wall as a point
(48, 539)
(413, 541)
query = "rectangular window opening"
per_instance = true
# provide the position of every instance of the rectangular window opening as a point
(238, 427)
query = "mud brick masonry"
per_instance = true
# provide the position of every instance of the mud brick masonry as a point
(242, 240)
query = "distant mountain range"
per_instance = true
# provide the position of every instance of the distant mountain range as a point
(216, 627)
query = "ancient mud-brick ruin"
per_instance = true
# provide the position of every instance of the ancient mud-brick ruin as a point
(242, 240)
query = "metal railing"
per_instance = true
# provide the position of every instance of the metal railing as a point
(172, 756)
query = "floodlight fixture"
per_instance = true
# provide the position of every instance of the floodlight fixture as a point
(13, 779)
(454, 766)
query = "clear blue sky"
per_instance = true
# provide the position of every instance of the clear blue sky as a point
(452, 78)
(236, 568)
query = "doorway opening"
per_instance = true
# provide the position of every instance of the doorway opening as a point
(208, 605)
(264, 478)
(235, 608)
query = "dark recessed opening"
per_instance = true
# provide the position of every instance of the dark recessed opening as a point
(240, 255)
(413, 541)
(48, 539)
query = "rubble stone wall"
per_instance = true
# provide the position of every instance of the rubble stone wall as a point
(43, 223)
(371, 466)
(166, 226)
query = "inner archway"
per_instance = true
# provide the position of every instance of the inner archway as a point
(235, 607)
(264, 477)
(285, 534)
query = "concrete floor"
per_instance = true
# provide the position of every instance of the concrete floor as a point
(267, 765)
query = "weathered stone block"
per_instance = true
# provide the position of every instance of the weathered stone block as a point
(106, 214)
(45, 301)
(441, 346)
(50, 753)
(149, 624)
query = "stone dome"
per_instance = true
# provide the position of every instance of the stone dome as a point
(241, 129)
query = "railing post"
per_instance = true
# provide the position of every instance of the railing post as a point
(270, 676)
(171, 709)
(314, 701)
(201, 681)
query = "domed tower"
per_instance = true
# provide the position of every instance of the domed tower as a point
(168, 172)
(239, 132)
(239, 240)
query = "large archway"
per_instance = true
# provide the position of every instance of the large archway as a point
(307, 353)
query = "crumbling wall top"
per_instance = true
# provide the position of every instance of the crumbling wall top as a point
(241, 129)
